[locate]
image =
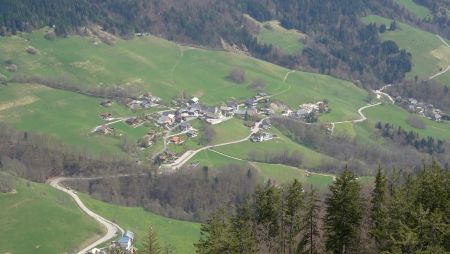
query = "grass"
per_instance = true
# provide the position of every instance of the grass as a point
(65, 115)
(39, 219)
(285, 174)
(399, 117)
(344, 98)
(429, 54)
(230, 130)
(420, 11)
(245, 149)
(272, 33)
(180, 234)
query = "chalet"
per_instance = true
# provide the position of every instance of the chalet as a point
(192, 133)
(106, 103)
(176, 140)
(106, 116)
(194, 100)
(252, 111)
(132, 121)
(251, 103)
(233, 105)
(227, 111)
(184, 126)
(104, 129)
(266, 124)
(126, 241)
(302, 113)
(146, 141)
(195, 110)
(267, 111)
(214, 113)
(286, 112)
(134, 104)
(261, 136)
(166, 119)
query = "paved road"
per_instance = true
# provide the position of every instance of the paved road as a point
(359, 120)
(112, 229)
(170, 168)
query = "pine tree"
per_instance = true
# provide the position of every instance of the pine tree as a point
(343, 214)
(214, 235)
(151, 244)
(378, 213)
(308, 243)
(292, 214)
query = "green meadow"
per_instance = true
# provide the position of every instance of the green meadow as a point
(429, 54)
(180, 234)
(344, 98)
(245, 150)
(420, 11)
(40, 219)
(272, 33)
(68, 116)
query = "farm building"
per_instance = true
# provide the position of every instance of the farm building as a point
(261, 136)
(104, 129)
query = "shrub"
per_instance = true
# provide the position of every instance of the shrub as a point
(237, 75)
(415, 122)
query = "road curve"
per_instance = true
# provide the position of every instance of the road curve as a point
(112, 229)
(359, 120)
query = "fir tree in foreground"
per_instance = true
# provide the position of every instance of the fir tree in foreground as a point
(343, 215)
(150, 244)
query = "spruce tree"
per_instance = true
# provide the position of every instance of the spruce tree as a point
(378, 213)
(242, 232)
(214, 235)
(308, 243)
(293, 205)
(343, 214)
(267, 217)
(150, 244)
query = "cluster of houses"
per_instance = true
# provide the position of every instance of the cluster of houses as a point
(146, 100)
(306, 110)
(421, 108)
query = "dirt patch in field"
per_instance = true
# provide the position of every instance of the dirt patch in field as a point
(17, 103)
(199, 93)
(89, 66)
(443, 55)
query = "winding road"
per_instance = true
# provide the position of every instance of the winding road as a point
(112, 229)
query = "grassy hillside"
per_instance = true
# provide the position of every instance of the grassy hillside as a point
(420, 11)
(429, 54)
(271, 32)
(40, 219)
(179, 234)
(66, 115)
(160, 66)
(245, 149)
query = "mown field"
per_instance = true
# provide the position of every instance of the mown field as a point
(40, 219)
(246, 150)
(165, 69)
(420, 11)
(272, 33)
(429, 54)
(68, 116)
(179, 234)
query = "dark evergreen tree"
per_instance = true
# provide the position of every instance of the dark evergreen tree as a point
(343, 215)
(378, 213)
(310, 228)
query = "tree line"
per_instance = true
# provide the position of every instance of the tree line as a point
(402, 213)
(428, 144)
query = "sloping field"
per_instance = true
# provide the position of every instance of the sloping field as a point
(429, 54)
(180, 234)
(271, 32)
(165, 69)
(39, 219)
(65, 115)
(420, 11)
